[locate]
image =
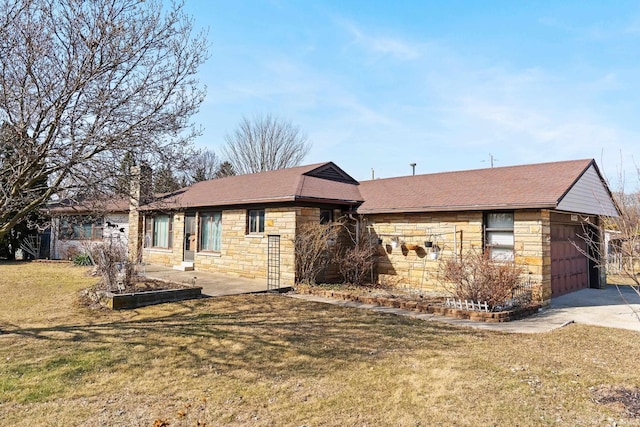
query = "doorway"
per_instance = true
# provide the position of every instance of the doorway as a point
(189, 237)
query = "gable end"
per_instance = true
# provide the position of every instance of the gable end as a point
(332, 172)
(589, 195)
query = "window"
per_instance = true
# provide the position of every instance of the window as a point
(255, 221)
(498, 237)
(158, 231)
(326, 216)
(81, 228)
(210, 231)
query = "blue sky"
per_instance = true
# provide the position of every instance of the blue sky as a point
(379, 84)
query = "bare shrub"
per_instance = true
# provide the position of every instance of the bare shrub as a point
(355, 256)
(313, 243)
(112, 265)
(476, 277)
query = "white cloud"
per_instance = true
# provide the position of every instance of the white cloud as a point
(383, 45)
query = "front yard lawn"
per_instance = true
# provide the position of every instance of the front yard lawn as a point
(273, 360)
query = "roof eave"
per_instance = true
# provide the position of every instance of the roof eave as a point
(254, 201)
(461, 208)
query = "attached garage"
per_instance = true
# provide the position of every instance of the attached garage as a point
(571, 268)
(536, 215)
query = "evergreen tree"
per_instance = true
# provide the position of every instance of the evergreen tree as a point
(164, 180)
(225, 169)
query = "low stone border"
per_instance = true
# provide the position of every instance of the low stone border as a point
(426, 306)
(141, 299)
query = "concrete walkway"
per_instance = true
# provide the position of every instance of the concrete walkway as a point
(611, 307)
(213, 284)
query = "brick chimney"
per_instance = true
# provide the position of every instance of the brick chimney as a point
(139, 194)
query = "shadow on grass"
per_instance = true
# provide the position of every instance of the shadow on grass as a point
(273, 334)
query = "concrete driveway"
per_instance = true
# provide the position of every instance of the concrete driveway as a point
(612, 307)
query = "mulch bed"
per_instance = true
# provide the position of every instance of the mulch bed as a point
(93, 297)
(419, 303)
(624, 399)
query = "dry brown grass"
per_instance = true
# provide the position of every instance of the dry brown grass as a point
(271, 360)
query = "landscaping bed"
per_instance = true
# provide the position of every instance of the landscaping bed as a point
(432, 304)
(139, 293)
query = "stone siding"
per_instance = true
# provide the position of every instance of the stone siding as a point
(241, 254)
(245, 255)
(414, 268)
(406, 267)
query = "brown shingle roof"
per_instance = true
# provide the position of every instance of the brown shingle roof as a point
(529, 186)
(71, 207)
(303, 183)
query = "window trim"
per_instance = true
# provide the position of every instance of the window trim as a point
(260, 222)
(488, 230)
(201, 216)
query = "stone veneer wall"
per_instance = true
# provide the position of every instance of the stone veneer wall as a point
(245, 255)
(241, 254)
(415, 269)
(532, 234)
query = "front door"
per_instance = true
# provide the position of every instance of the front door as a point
(189, 237)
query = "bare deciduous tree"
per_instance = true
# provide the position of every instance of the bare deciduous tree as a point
(202, 166)
(265, 143)
(84, 82)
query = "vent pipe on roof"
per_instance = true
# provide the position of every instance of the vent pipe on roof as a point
(413, 168)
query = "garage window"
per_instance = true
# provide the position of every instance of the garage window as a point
(498, 236)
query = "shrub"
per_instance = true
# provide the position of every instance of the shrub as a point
(112, 265)
(313, 249)
(82, 259)
(476, 277)
(355, 256)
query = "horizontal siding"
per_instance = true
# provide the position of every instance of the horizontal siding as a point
(588, 196)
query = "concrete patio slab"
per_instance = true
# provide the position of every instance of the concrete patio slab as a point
(213, 284)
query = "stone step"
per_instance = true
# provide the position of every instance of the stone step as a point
(184, 266)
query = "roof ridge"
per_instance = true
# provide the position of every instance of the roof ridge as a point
(527, 165)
